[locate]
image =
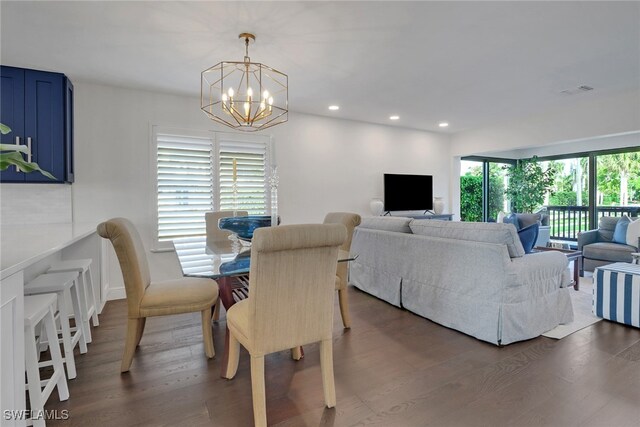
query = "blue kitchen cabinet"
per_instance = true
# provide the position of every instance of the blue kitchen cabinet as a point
(38, 107)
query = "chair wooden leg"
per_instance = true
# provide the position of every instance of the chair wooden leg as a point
(343, 299)
(233, 357)
(134, 328)
(296, 353)
(326, 366)
(207, 333)
(258, 392)
(216, 310)
(140, 330)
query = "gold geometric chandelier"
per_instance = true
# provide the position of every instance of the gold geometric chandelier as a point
(246, 95)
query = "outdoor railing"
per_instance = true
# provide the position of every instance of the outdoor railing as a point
(567, 221)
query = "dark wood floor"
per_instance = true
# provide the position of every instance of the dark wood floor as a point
(392, 369)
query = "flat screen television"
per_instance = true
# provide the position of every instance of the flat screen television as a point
(408, 192)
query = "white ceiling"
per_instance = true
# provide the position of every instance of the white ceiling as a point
(469, 63)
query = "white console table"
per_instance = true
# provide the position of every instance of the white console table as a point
(25, 252)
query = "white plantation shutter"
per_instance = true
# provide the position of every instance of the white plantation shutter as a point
(251, 169)
(185, 185)
(195, 176)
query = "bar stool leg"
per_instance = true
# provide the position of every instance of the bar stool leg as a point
(33, 374)
(66, 339)
(92, 296)
(56, 356)
(81, 321)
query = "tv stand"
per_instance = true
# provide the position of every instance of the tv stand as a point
(441, 217)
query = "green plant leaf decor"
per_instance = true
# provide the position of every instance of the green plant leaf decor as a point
(528, 184)
(12, 155)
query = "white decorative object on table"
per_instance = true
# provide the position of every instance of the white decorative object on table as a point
(273, 184)
(438, 205)
(376, 206)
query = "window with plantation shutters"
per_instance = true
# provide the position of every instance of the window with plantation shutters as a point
(195, 175)
(250, 161)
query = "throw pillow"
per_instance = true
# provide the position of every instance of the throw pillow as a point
(527, 219)
(512, 219)
(528, 237)
(633, 233)
(620, 232)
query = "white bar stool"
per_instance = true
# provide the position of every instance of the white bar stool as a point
(40, 309)
(87, 294)
(63, 284)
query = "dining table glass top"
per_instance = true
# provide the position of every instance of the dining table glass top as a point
(202, 257)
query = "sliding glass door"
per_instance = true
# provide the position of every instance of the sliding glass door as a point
(618, 184)
(471, 190)
(568, 201)
(482, 189)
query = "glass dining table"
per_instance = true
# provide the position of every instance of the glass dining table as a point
(227, 262)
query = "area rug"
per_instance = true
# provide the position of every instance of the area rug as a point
(582, 316)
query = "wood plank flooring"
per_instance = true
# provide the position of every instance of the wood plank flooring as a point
(392, 368)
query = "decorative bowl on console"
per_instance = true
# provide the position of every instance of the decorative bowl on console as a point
(244, 226)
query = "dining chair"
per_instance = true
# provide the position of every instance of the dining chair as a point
(146, 298)
(291, 288)
(351, 221)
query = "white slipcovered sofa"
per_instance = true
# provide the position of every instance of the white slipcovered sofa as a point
(472, 277)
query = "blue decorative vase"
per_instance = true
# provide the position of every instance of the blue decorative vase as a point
(244, 226)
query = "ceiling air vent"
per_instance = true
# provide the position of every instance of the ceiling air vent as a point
(573, 91)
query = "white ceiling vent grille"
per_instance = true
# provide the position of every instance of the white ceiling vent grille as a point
(574, 91)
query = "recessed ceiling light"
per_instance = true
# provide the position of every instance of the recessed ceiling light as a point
(443, 124)
(334, 107)
(394, 117)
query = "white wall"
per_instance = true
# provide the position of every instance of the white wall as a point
(324, 164)
(18, 209)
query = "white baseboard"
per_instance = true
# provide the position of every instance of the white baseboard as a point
(116, 293)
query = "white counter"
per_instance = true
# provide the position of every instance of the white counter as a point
(24, 245)
(25, 251)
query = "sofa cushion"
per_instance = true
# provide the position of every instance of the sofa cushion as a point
(488, 232)
(387, 223)
(528, 236)
(608, 251)
(606, 227)
(620, 232)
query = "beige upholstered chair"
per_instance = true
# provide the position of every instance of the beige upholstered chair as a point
(349, 220)
(146, 299)
(290, 302)
(212, 218)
